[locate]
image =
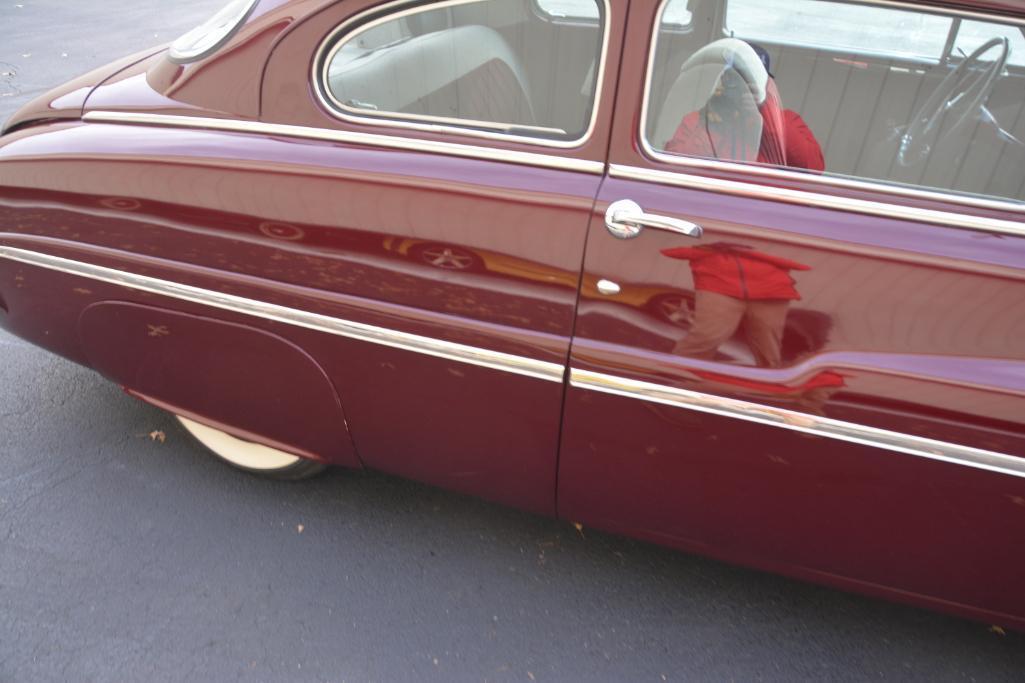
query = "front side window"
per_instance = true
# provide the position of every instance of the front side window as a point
(490, 66)
(894, 95)
(837, 26)
(973, 34)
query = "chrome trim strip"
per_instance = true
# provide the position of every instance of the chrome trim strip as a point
(529, 367)
(518, 365)
(828, 181)
(335, 108)
(800, 422)
(350, 137)
(844, 182)
(825, 201)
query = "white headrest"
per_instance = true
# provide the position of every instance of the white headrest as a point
(736, 54)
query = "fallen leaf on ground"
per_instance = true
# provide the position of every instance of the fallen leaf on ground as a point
(157, 435)
(997, 630)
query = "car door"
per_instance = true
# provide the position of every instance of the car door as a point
(815, 372)
(448, 198)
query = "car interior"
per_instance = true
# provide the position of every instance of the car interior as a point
(890, 94)
(483, 64)
(900, 95)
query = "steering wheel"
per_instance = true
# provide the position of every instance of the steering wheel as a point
(957, 98)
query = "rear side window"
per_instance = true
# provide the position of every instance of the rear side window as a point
(486, 66)
(586, 10)
(896, 95)
(579, 10)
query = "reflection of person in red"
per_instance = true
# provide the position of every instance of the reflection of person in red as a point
(743, 117)
(736, 285)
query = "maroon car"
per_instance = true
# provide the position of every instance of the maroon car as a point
(742, 277)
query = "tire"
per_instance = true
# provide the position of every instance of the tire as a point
(251, 457)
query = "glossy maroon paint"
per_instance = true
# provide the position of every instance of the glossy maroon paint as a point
(207, 368)
(67, 100)
(345, 221)
(920, 331)
(922, 324)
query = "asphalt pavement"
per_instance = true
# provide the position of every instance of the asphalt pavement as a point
(127, 557)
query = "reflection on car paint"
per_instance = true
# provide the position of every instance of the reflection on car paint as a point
(827, 382)
(737, 287)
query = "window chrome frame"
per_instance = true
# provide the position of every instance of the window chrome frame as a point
(759, 173)
(330, 45)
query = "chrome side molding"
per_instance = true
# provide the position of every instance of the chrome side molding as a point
(495, 360)
(782, 418)
(508, 156)
(800, 422)
(824, 201)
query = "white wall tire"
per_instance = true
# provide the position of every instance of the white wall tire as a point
(249, 456)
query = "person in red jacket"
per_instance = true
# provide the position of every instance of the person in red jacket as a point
(743, 118)
(737, 286)
(801, 149)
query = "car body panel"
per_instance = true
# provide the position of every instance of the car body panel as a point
(160, 354)
(260, 246)
(919, 336)
(420, 302)
(320, 214)
(67, 101)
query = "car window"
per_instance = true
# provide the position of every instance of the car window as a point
(832, 25)
(972, 34)
(676, 15)
(483, 65)
(569, 9)
(841, 89)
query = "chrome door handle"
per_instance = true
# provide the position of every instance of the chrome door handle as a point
(625, 220)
